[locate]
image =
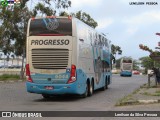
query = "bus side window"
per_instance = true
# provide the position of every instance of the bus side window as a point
(100, 41)
(103, 42)
(106, 43)
(90, 37)
(96, 39)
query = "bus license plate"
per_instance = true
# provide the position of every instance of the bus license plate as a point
(49, 87)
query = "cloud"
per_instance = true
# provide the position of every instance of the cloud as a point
(144, 18)
(104, 22)
(81, 3)
(136, 22)
(131, 31)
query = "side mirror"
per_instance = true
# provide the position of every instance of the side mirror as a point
(114, 61)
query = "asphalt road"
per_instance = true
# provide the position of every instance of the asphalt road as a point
(13, 97)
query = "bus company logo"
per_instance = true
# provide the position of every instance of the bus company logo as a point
(53, 24)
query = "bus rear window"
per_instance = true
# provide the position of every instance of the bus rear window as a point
(51, 27)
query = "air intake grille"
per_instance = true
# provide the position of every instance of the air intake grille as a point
(50, 58)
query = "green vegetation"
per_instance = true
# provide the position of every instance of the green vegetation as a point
(156, 93)
(115, 49)
(125, 100)
(5, 77)
(83, 16)
(148, 63)
(129, 99)
(14, 24)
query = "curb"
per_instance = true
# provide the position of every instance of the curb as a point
(149, 101)
(138, 102)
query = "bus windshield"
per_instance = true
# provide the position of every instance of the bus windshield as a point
(51, 27)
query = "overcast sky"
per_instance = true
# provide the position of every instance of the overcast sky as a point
(124, 24)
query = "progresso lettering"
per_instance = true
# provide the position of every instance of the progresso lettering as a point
(50, 42)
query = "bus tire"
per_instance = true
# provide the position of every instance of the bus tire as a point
(86, 92)
(91, 88)
(46, 96)
(104, 87)
(107, 84)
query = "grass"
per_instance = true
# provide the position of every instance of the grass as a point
(5, 77)
(128, 100)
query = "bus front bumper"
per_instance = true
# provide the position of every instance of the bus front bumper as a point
(58, 89)
(126, 73)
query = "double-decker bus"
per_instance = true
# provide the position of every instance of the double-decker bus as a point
(66, 56)
(126, 66)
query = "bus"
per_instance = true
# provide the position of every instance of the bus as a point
(126, 66)
(66, 56)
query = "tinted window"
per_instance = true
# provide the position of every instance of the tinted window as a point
(127, 61)
(51, 27)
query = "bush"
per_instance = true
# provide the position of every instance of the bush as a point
(9, 77)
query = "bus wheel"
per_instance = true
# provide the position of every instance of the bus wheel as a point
(46, 96)
(107, 84)
(86, 92)
(91, 89)
(104, 87)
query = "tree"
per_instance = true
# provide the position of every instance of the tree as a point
(115, 49)
(6, 35)
(43, 10)
(118, 61)
(46, 9)
(135, 65)
(14, 25)
(147, 63)
(86, 18)
(64, 14)
(12, 58)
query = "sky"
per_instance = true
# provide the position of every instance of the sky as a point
(125, 25)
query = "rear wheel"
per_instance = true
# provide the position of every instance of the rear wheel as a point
(91, 89)
(107, 84)
(86, 92)
(104, 87)
(46, 96)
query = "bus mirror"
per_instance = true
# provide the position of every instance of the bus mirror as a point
(114, 61)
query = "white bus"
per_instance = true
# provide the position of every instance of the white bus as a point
(126, 66)
(66, 56)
